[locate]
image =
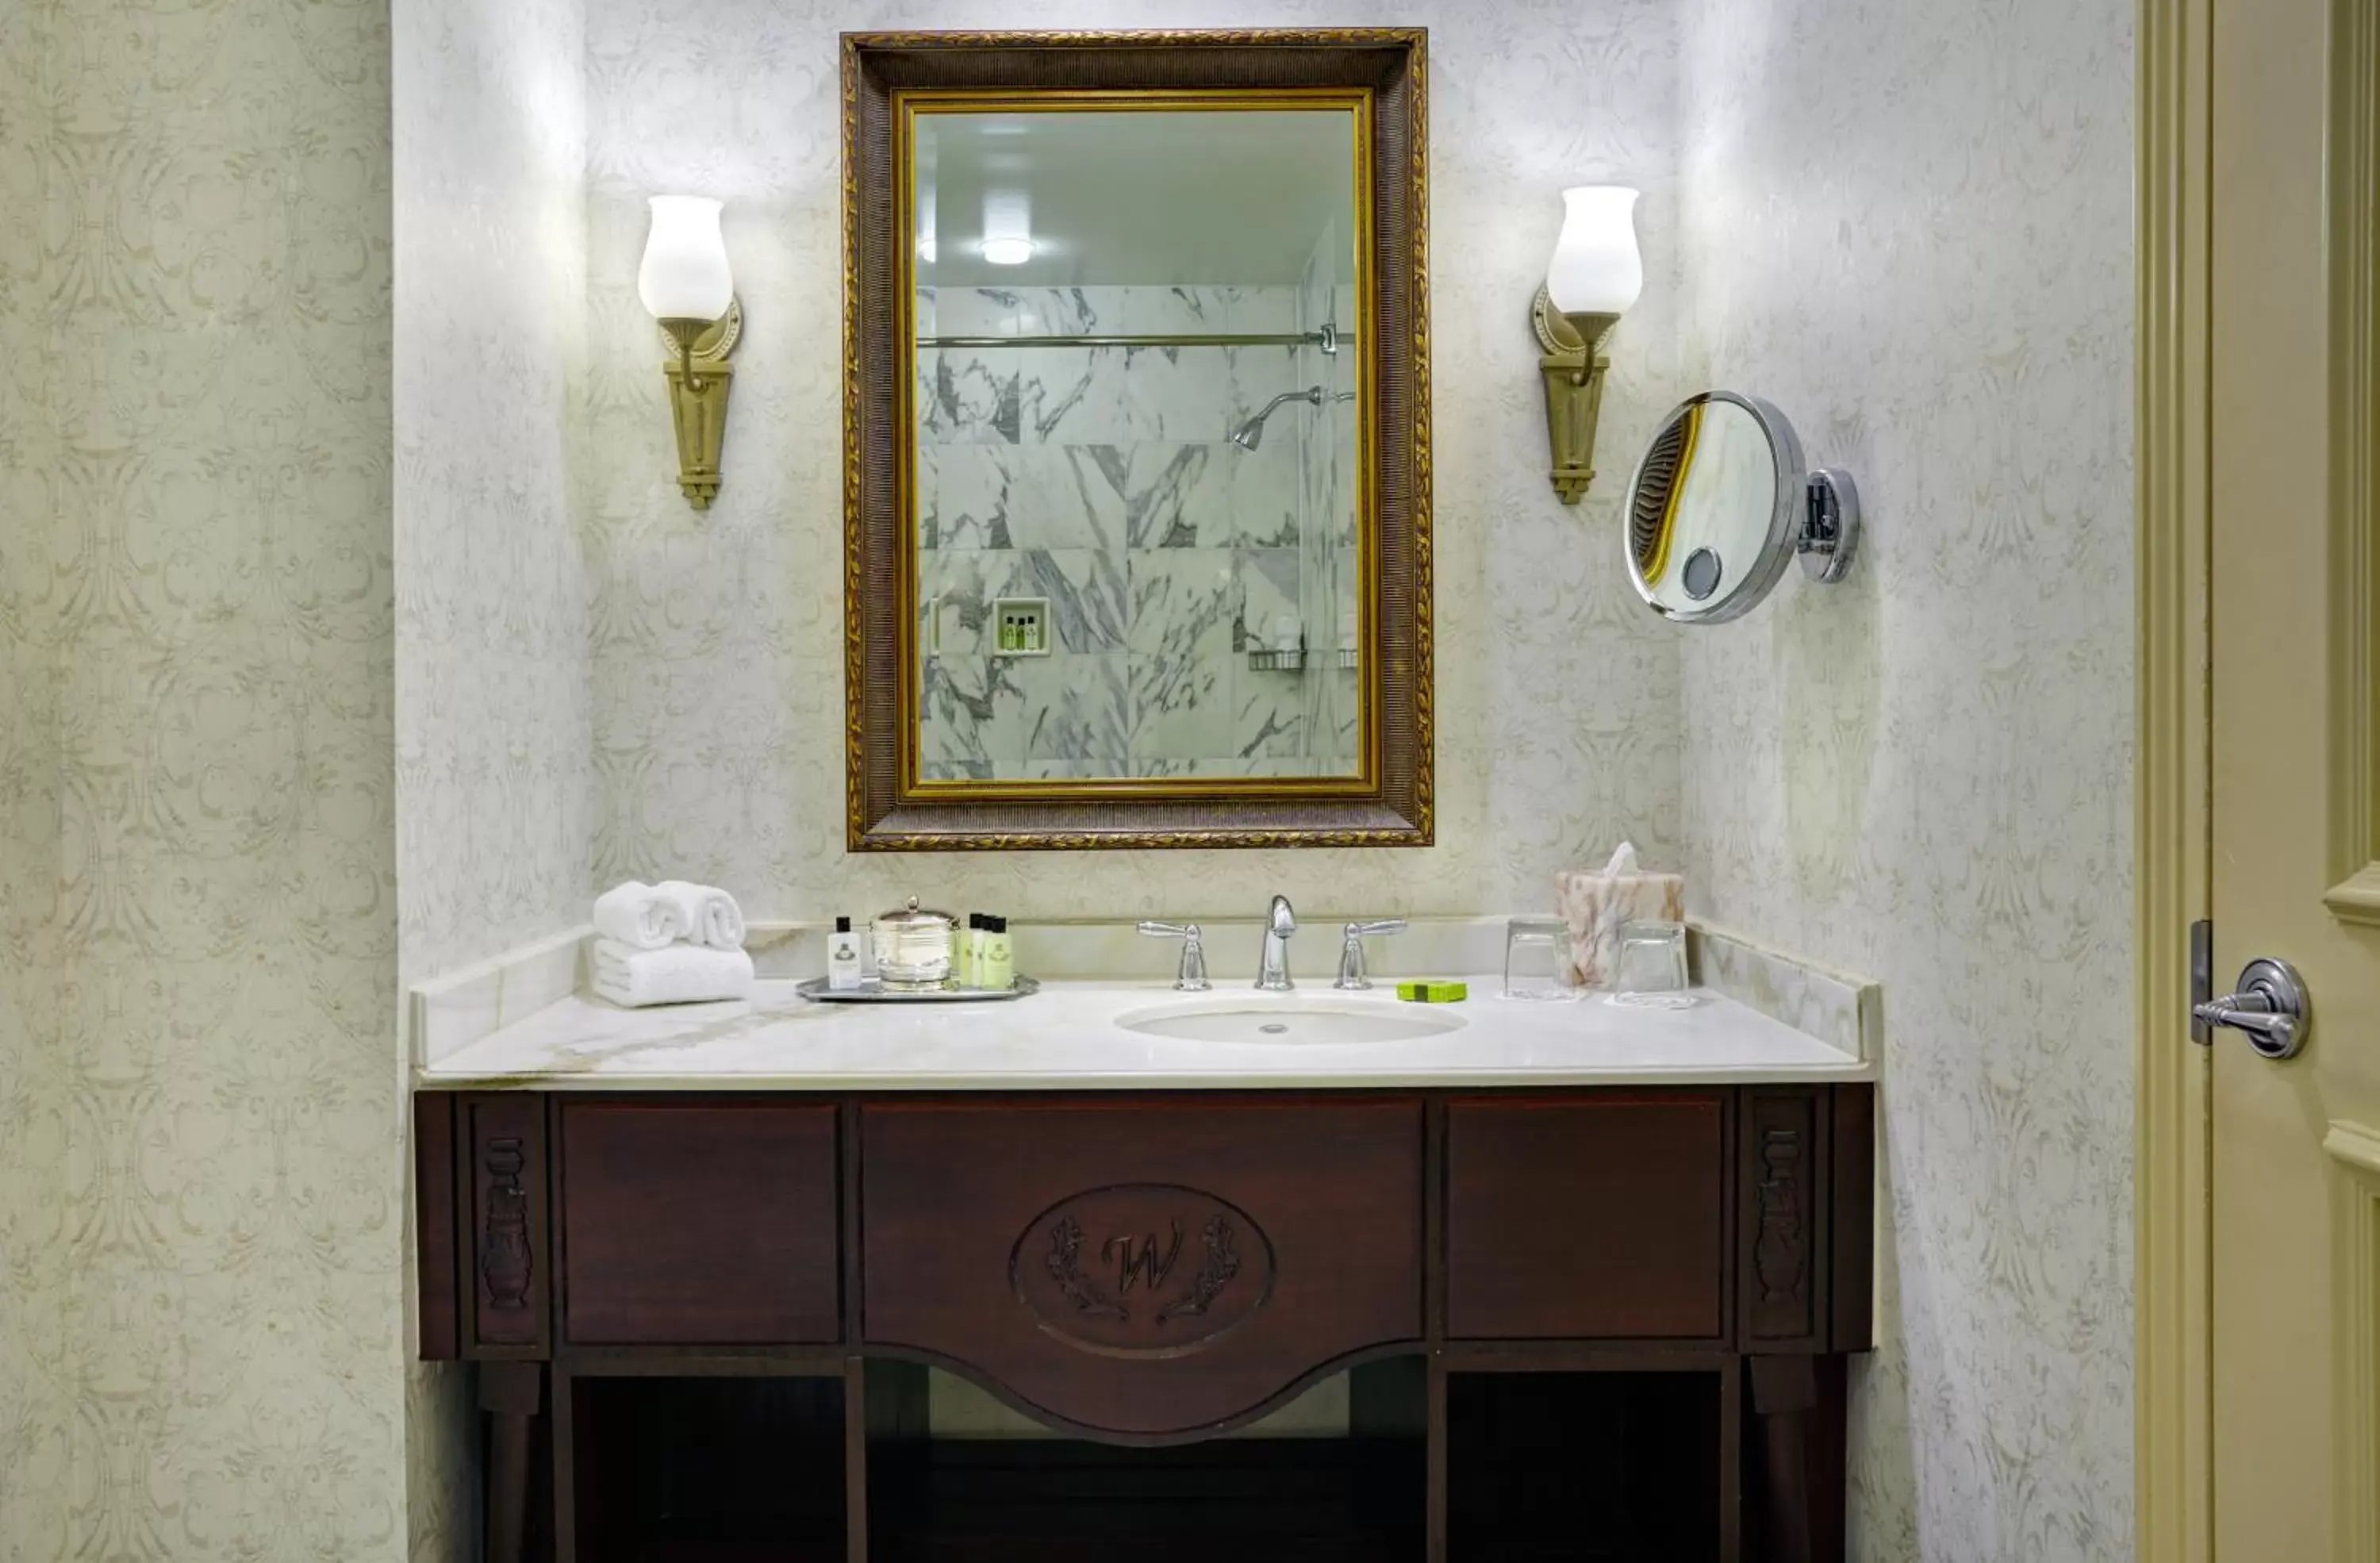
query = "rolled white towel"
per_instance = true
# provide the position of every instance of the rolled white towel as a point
(640, 916)
(711, 915)
(682, 974)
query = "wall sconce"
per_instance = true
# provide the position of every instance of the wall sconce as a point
(1596, 275)
(686, 282)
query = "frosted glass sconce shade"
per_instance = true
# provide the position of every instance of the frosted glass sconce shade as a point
(1597, 269)
(1597, 274)
(686, 282)
(684, 274)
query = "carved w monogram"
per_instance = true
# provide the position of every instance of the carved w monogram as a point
(1080, 1287)
(1142, 1263)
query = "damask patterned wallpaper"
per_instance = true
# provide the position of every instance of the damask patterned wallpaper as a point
(196, 835)
(1922, 775)
(494, 755)
(1910, 226)
(35, 1349)
(494, 761)
(718, 704)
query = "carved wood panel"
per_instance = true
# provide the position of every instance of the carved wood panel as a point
(1784, 1192)
(503, 1151)
(1076, 1264)
(1142, 1268)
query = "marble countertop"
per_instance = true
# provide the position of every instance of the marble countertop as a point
(1067, 1038)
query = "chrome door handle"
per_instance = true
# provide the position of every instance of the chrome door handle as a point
(2271, 1009)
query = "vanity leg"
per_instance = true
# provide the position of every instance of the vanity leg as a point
(1435, 1462)
(1798, 1401)
(855, 1459)
(512, 1394)
(1730, 1463)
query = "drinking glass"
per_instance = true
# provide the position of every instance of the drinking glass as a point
(1650, 971)
(1537, 955)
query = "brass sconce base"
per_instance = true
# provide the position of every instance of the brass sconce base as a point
(699, 377)
(1574, 367)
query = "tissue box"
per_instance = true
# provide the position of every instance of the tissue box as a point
(1594, 904)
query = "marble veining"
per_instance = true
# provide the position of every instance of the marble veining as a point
(1069, 1036)
(460, 1009)
(1101, 477)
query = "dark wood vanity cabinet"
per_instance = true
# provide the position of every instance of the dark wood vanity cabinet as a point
(1141, 1273)
(696, 1224)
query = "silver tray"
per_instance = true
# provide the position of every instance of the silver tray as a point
(874, 992)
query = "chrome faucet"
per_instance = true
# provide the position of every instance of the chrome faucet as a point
(1272, 968)
(1352, 975)
(1192, 977)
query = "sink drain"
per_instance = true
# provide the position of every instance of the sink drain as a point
(1273, 1029)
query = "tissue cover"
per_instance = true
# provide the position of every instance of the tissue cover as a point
(1595, 902)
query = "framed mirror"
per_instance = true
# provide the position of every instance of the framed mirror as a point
(1136, 501)
(1722, 502)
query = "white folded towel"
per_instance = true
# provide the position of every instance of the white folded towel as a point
(711, 915)
(640, 916)
(682, 974)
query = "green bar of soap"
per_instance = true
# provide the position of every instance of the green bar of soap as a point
(1428, 992)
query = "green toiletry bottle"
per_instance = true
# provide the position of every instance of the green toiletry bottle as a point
(997, 969)
(970, 955)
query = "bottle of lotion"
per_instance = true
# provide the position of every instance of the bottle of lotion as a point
(970, 952)
(843, 968)
(997, 967)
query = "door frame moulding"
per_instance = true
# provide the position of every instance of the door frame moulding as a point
(2173, 1442)
(2174, 1337)
(2352, 261)
(2352, 266)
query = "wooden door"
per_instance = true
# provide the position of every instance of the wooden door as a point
(2295, 859)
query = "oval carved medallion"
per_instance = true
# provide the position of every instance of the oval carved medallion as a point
(1142, 1269)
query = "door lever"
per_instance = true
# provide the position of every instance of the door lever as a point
(2271, 1009)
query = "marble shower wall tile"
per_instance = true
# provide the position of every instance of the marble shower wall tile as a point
(1182, 712)
(1076, 710)
(1122, 453)
(1185, 605)
(1088, 591)
(1925, 772)
(967, 395)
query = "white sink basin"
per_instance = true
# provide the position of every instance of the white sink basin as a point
(1295, 1023)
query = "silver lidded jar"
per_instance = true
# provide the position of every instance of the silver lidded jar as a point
(913, 948)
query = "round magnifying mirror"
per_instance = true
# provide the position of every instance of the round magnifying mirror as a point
(1720, 504)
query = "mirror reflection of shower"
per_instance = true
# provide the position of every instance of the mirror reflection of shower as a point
(1249, 435)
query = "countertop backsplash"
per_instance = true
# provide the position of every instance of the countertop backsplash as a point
(462, 1007)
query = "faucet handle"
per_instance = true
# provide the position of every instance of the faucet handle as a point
(1351, 953)
(1192, 977)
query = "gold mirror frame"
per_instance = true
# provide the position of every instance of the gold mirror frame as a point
(888, 808)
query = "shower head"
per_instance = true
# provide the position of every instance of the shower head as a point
(1249, 435)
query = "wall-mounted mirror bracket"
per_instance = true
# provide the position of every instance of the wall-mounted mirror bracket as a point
(1830, 521)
